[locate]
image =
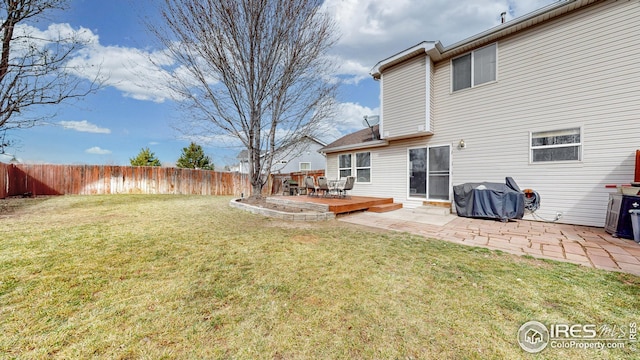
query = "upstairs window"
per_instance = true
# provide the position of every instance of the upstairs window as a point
(557, 145)
(475, 68)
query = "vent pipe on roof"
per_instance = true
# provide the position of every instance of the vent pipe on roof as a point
(503, 16)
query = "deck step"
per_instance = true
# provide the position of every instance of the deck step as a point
(385, 207)
(432, 210)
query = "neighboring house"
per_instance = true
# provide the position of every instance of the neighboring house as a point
(304, 156)
(551, 99)
(243, 162)
(11, 159)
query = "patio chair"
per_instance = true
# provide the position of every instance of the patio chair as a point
(323, 185)
(348, 185)
(309, 184)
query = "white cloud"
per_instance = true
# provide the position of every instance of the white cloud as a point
(84, 126)
(32, 37)
(372, 30)
(348, 119)
(213, 140)
(136, 73)
(96, 150)
(351, 115)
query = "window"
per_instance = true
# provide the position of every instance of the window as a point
(344, 165)
(305, 166)
(557, 145)
(363, 167)
(475, 68)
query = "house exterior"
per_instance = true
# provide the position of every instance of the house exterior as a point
(305, 156)
(551, 99)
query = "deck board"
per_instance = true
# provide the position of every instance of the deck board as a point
(341, 205)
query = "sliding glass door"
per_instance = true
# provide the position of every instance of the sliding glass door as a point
(439, 172)
(418, 172)
(429, 172)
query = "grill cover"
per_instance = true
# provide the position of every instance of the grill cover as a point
(489, 200)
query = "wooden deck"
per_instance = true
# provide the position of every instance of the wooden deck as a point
(339, 205)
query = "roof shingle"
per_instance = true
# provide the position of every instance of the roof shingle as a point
(358, 137)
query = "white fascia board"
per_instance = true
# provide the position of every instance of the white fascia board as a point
(437, 51)
(366, 145)
(421, 48)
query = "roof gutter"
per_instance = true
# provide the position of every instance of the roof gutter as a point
(438, 52)
(543, 14)
(420, 48)
(366, 145)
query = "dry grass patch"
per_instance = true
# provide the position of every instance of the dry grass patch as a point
(137, 276)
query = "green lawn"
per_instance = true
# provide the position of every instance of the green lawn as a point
(138, 276)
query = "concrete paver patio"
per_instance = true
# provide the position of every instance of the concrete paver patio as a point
(583, 245)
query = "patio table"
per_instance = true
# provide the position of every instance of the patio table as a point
(334, 185)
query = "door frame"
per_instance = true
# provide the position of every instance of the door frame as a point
(408, 174)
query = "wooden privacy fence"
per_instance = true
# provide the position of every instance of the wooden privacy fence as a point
(277, 179)
(20, 179)
(4, 180)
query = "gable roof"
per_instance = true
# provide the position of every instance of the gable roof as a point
(320, 142)
(244, 154)
(438, 52)
(358, 140)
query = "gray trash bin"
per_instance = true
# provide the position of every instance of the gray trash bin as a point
(635, 224)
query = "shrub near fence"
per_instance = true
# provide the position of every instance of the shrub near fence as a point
(105, 179)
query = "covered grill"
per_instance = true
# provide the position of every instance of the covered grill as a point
(289, 187)
(490, 200)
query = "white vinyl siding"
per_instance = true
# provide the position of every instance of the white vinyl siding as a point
(405, 97)
(307, 152)
(576, 71)
(580, 70)
(389, 172)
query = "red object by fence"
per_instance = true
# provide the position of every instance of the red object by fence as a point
(4, 180)
(636, 178)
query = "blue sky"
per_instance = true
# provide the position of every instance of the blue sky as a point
(130, 113)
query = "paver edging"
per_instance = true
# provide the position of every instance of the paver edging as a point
(302, 216)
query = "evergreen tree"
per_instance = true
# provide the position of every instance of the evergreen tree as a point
(145, 158)
(193, 157)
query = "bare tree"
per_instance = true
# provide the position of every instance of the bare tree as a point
(34, 68)
(256, 70)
